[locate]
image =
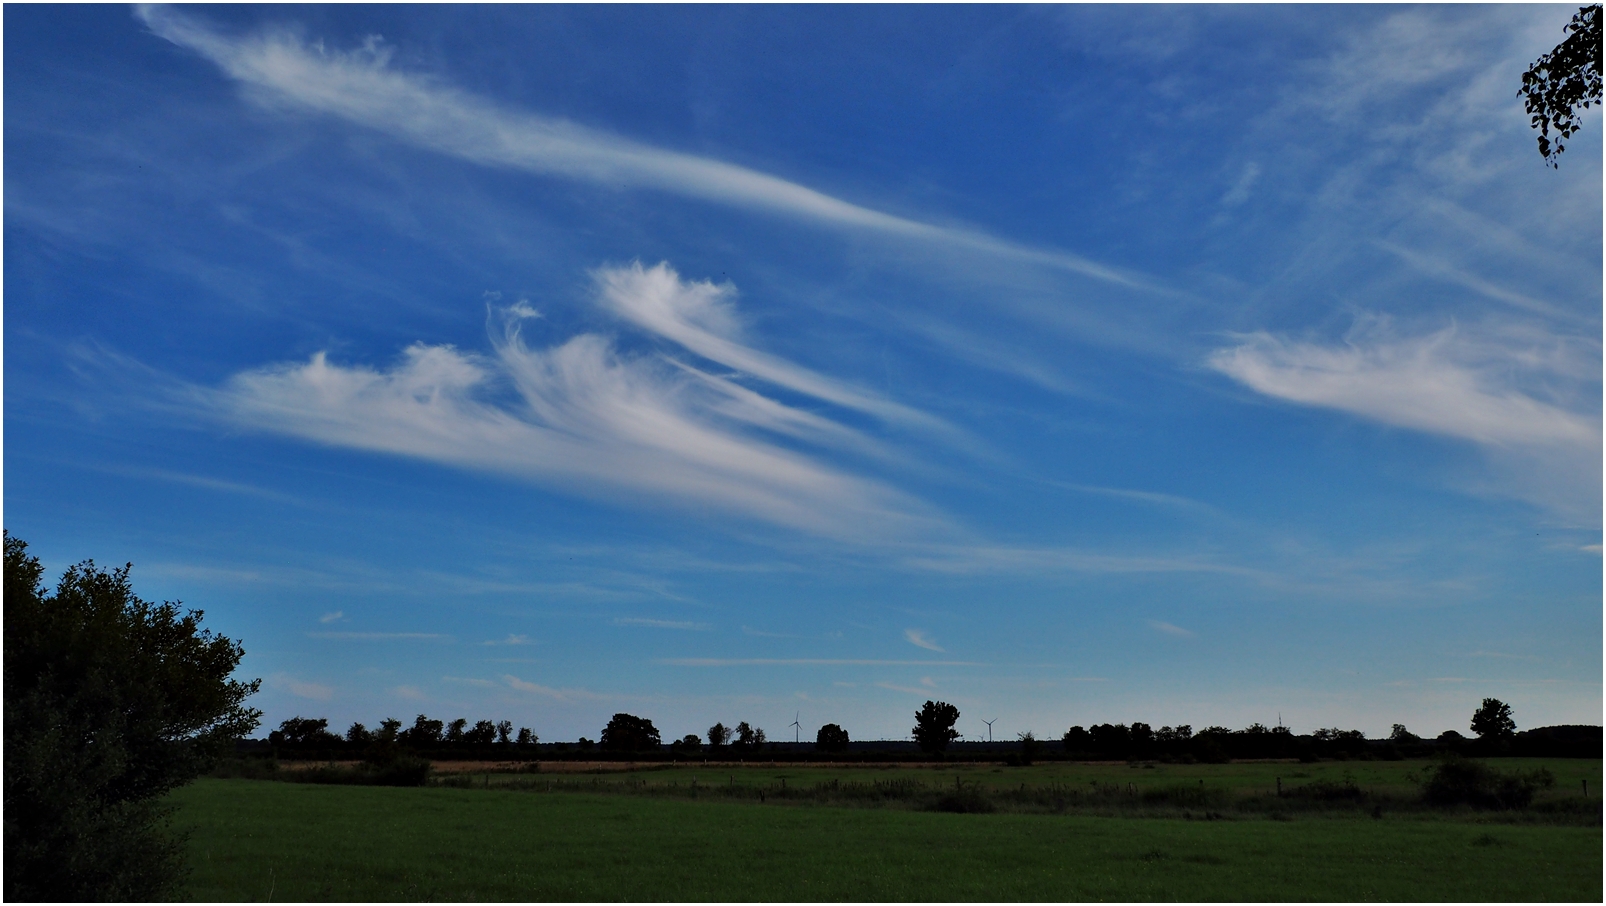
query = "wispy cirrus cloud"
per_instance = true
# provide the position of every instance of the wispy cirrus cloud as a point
(378, 636)
(589, 419)
(521, 685)
(701, 316)
(661, 624)
(362, 87)
(303, 689)
(1168, 628)
(1411, 383)
(512, 639)
(1488, 390)
(807, 662)
(921, 639)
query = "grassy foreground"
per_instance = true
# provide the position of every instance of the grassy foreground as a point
(255, 840)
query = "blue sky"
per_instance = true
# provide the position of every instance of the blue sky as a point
(1185, 365)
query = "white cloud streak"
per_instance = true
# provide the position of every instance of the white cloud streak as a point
(1416, 383)
(661, 624)
(587, 418)
(1168, 628)
(1456, 386)
(377, 636)
(701, 317)
(921, 639)
(361, 87)
(806, 662)
(303, 689)
(563, 695)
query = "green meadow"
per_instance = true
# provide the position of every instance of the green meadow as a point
(648, 835)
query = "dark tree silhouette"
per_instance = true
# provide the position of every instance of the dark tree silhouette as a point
(748, 737)
(1563, 82)
(526, 738)
(1493, 720)
(1075, 739)
(504, 732)
(303, 731)
(718, 735)
(934, 726)
(629, 733)
(831, 738)
(454, 731)
(111, 701)
(483, 734)
(424, 732)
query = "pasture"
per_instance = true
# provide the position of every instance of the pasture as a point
(641, 834)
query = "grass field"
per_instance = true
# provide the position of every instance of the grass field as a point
(255, 840)
(1395, 781)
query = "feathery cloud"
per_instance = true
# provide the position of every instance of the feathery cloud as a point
(1485, 389)
(920, 639)
(807, 662)
(588, 418)
(361, 86)
(303, 689)
(1168, 628)
(661, 624)
(376, 636)
(1414, 383)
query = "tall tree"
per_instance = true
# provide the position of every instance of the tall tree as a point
(934, 726)
(629, 733)
(831, 738)
(1493, 720)
(111, 701)
(1563, 82)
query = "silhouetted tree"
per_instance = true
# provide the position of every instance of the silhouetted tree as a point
(526, 738)
(1564, 81)
(1493, 720)
(1076, 739)
(1110, 739)
(358, 735)
(303, 732)
(718, 735)
(831, 738)
(748, 737)
(504, 732)
(111, 702)
(628, 733)
(1173, 735)
(1028, 747)
(1401, 736)
(1142, 736)
(483, 734)
(424, 732)
(934, 726)
(454, 731)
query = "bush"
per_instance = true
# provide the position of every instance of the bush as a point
(1459, 781)
(111, 702)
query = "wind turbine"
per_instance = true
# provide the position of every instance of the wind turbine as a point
(797, 729)
(989, 724)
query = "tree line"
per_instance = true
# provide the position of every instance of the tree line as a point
(933, 732)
